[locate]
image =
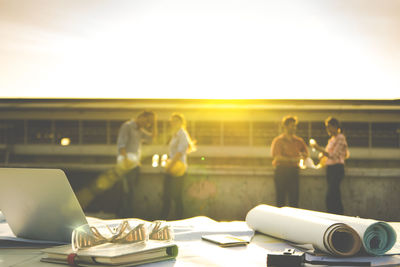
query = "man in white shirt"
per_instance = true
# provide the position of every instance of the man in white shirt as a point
(130, 138)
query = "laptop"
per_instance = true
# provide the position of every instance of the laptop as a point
(39, 204)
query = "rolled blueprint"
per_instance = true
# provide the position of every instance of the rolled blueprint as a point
(377, 237)
(326, 235)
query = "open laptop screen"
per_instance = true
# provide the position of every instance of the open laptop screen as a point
(39, 204)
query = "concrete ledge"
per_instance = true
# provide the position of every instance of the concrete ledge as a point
(213, 170)
(206, 151)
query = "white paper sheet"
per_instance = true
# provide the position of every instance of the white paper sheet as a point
(193, 228)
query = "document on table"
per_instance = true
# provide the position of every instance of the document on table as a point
(194, 228)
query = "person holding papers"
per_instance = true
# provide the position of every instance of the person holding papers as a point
(130, 137)
(287, 149)
(336, 152)
(179, 146)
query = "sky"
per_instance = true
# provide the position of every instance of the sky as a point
(200, 49)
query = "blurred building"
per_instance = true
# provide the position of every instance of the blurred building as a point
(233, 139)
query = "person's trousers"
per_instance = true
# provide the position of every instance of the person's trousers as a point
(128, 184)
(286, 185)
(334, 177)
(173, 191)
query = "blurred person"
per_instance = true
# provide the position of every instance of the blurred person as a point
(336, 152)
(287, 149)
(131, 135)
(176, 168)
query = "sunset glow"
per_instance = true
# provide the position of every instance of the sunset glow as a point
(208, 49)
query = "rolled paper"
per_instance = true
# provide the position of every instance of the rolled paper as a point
(377, 237)
(326, 235)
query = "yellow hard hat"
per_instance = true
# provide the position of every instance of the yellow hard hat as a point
(178, 169)
(131, 161)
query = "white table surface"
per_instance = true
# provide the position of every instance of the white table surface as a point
(192, 251)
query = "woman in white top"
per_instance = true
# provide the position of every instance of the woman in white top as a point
(179, 146)
(336, 152)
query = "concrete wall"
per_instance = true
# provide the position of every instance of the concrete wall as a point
(229, 193)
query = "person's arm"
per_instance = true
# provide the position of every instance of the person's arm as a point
(146, 133)
(122, 140)
(339, 146)
(320, 149)
(150, 134)
(123, 137)
(304, 153)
